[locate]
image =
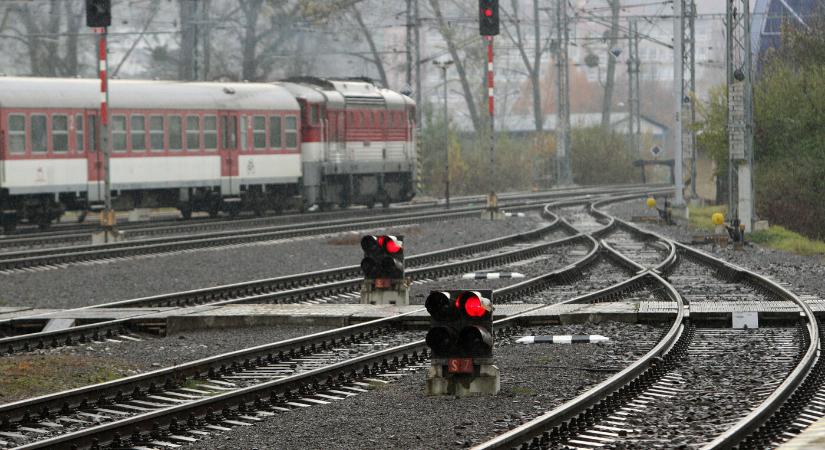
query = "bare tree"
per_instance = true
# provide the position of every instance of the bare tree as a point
(376, 55)
(188, 14)
(533, 66)
(41, 32)
(449, 37)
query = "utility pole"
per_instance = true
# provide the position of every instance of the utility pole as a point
(678, 76)
(689, 88)
(740, 113)
(108, 218)
(444, 65)
(563, 174)
(634, 116)
(408, 38)
(492, 112)
(196, 38)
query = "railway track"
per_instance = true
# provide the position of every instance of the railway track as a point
(681, 393)
(266, 377)
(82, 235)
(60, 257)
(46, 259)
(327, 284)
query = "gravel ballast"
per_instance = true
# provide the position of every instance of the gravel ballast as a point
(83, 285)
(535, 379)
(806, 274)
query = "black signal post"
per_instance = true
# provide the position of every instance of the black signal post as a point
(488, 17)
(383, 268)
(461, 341)
(98, 13)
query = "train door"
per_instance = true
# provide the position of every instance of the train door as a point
(228, 149)
(339, 138)
(90, 139)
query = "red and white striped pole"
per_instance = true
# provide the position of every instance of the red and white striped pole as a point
(492, 202)
(108, 217)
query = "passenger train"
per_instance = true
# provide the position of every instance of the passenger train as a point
(202, 146)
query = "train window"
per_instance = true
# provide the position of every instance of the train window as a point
(78, 133)
(193, 133)
(379, 119)
(138, 133)
(17, 133)
(175, 133)
(38, 133)
(229, 132)
(60, 133)
(291, 131)
(275, 132)
(314, 114)
(352, 119)
(119, 134)
(93, 133)
(210, 132)
(365, 119)
(259, 132)
(156, 133)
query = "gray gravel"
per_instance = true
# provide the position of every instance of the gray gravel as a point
(534, 379)
(82, 285)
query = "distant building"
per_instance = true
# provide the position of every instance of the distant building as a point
(768, 17)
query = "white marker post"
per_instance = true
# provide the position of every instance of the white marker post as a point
(565, 339)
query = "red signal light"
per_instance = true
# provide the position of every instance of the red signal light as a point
(392, 246)
(473, 307)
(488, 12)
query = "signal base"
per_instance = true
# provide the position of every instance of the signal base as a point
(492, 214)
(398, 294)
(485, 380)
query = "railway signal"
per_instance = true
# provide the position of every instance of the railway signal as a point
(488, 17)
(461, 341)
(98, 13)
(383, 268)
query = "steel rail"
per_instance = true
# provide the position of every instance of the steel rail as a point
(224, 292)
(204, 225)
(254, 394)
(295, 292)
(592, 397)
(524, 288)
(762, 413)
(84, 333)
(579, 405)
(18, 260)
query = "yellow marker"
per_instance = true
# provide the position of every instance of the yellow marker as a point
(717, 218)
(651, 202)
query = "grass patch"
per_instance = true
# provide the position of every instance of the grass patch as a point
(700, 216)
(33, 375)
(786, 240)
(775, 237)
(522, 390)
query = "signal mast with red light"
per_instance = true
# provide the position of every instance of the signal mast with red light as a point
(383, 268)
(461, 340)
